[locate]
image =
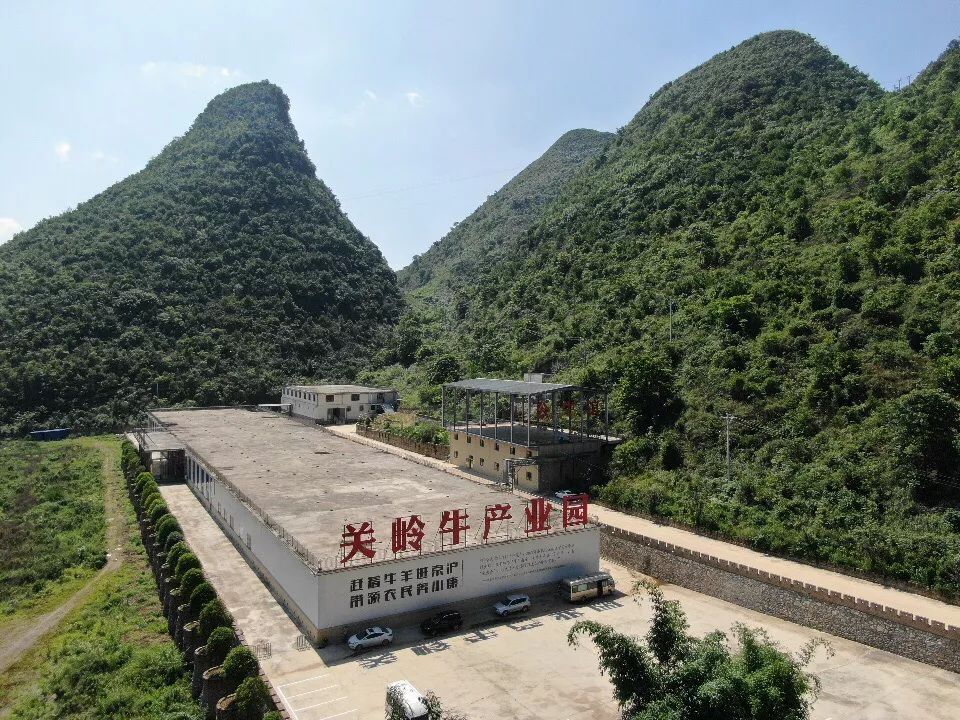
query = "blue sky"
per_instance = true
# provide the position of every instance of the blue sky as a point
(413, 112)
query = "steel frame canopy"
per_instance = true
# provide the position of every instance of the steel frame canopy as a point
(513, 389)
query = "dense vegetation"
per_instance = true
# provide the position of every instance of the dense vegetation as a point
(803, 227)
(112, 659)
(215, 274)
(52, 530)
(672, 675)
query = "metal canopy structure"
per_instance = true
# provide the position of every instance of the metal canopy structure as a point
(510, 387)
(526, 413)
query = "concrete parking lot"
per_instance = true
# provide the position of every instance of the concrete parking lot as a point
(523, 668)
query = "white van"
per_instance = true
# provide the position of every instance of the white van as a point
(404, 702)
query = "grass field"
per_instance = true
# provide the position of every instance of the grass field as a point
(52, 527)
(111, 656)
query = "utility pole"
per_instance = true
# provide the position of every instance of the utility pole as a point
(729, 419)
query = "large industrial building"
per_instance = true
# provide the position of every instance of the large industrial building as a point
(345, 534)
(533, 435)
(337, 404)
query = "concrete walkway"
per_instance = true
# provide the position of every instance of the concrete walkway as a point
(864, 589)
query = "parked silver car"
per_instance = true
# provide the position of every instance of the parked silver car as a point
(511, 605)
(371, 637)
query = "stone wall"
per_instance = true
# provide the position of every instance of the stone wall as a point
(434, 450)
(881, 627)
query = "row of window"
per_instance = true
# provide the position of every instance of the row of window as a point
(354, 397)
(496, 445)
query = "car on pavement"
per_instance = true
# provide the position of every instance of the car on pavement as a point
(511, 605)
(441, 622)
(560, 495)
(371, 637)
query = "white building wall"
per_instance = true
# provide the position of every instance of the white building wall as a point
(359, 594)
(314, 405)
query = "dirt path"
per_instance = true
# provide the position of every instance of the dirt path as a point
(23, 637)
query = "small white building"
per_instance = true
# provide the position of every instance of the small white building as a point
(337, 404)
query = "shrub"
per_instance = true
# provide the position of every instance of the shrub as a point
(187, 561)
(176, 552)
(220, 642)
(253, 698)
(157, 511)
(191, 580)
(273, 715)
(200, 596)
(239, 665)
(172, 539)
(213, 615)
(165, 527)
(144, 481)
(149, 499)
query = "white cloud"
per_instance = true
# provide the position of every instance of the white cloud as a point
(62, 149)
(414, 98)
(188, 70)
(371, 95)
(8, 228)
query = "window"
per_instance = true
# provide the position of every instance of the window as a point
(329, 398)
(456, 454)
(513, 450)
(456, 436)
(496, 466)
(468, 440)
(481, 443)
(529, 453)
(361, 408)
(529, 475)
(496, 446)
(354, 397)
(481, 462)
(349, 408)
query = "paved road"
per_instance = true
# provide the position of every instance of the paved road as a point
(864, 589)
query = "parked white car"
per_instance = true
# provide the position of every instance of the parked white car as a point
(371, 637)
(511, 605)
(565, 494)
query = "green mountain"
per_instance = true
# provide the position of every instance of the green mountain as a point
(219, 270)
(803, 226)
(487, 234)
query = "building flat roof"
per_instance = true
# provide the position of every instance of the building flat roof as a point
(510, 387)
(336, 389)
(313, 482)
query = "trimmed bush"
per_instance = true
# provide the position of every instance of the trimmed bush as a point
(213, 615)
(157, 511)
(187, 561)
(200, 595)
(172, 539)
(273, 715)
(191, 579)
(145, 481)
(176, 552)
(239, 665)
(165, 527)
(221, 641)
(149, 499)
(252, 699)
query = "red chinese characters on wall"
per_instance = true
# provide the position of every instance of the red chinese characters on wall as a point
(453, 523)
(407, 533)
(357, 541)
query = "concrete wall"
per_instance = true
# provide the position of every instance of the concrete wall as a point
(315, 406)
(493, 454)
(882, 627)
(358, 595)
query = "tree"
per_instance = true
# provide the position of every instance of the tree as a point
(646, 395)
(239, 665)
(671, 675)
(253, 698)
(212, 616)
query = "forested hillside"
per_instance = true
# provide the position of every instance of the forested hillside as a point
(803, 224)
(211, 276)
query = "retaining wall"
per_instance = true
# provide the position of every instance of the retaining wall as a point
(434, 450)
(882, 627)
